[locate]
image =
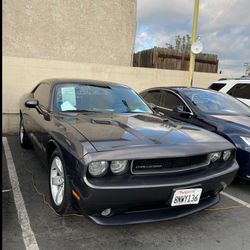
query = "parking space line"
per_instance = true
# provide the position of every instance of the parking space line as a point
(23, 218)
(236, 199)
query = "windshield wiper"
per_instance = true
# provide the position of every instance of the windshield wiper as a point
(126, 105)
(78, 110)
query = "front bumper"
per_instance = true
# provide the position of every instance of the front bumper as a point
(153, 215)
(150, 202)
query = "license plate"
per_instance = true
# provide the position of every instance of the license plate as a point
(186, 196)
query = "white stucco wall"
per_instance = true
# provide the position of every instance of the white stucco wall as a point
(20, 75)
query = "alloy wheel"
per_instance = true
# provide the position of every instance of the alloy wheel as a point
(57, 181)
(21, 133)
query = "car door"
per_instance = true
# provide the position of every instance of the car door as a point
(241, 91)
(174, 106)
(39, 117)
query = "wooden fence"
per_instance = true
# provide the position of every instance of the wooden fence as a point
(163, 58)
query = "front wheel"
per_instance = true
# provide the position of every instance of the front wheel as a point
(59, 184)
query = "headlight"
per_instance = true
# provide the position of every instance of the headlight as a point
(215, 156)
(118, 167)
(226, 155)
(98, 168)
(246, 140)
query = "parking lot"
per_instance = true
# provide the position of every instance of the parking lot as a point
(225, 226)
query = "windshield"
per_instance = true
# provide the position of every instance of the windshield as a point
(73, 97)
(211, 102)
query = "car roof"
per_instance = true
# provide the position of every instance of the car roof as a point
(53, 81)
(233, 81)
(235, 78)
(174, 88)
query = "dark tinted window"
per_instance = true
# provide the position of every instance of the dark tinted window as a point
(217, 86)
(153, 96)
(170, 100)
(42, 93)
(240, 91)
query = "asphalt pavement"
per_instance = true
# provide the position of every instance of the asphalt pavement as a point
(226, 228)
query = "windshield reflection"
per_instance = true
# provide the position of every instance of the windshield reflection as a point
(216, 103)
(77, 97)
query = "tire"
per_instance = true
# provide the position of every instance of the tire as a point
(23, 137)
(59, 185)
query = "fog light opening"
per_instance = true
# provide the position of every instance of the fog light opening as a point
(106, 212)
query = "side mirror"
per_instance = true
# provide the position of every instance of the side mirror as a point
(152, 105)
(32, 103)
(178, 108)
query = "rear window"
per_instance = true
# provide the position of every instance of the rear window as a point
(217, 86)
(240, 91)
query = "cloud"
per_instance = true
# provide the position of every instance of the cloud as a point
(142, 40)
(224, 27)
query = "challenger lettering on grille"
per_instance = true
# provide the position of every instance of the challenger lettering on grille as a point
(148, 166)
(167, 165)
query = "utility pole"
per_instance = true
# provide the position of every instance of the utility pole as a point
(194, 35)
(247, 71)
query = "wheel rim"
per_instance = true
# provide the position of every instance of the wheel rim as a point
(57, 181)
(21, 133)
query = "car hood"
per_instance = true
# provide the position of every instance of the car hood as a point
(233, 124)
(114, 131)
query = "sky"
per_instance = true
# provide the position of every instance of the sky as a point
(223, 27)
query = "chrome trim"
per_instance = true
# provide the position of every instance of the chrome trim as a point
(233, 166)
(183, 112)
(164, 108)
(177, 170)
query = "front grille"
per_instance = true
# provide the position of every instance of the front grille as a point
(169, 165)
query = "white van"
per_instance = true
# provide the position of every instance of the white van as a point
(236, 87)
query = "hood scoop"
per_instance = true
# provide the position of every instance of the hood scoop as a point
(103, 122)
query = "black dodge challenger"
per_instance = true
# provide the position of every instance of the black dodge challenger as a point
(115, 160)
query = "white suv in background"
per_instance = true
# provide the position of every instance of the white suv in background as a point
(236, 87)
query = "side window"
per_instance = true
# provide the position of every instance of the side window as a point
(231, 91)
(170, 100)
(42, 94)
(240, 91)
(217, 86)
(143, 94)
(153, 96)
